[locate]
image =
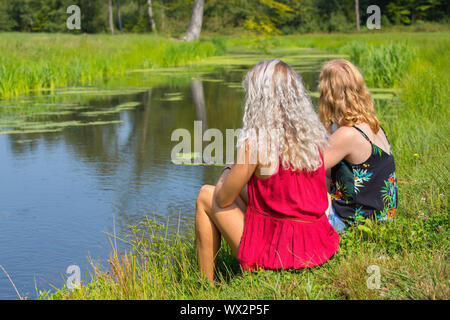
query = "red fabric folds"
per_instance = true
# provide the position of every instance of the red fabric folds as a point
(285, 223)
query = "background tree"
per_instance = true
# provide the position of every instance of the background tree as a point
(150, 15)
(357, 15)
(195, 23)
(162, 15)
(119, 19)
(111, 17)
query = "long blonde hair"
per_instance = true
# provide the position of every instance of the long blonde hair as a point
(279, 118)
(344, 97)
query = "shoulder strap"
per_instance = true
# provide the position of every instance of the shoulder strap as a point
(363, 134)
(386, 136)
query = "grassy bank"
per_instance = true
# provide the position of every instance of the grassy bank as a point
(411, 250)
(409, 253)
(48, 61)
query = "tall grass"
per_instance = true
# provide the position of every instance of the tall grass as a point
(412, 264)
(383, 65)
(47, 61)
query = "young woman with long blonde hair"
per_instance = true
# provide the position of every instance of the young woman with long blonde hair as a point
(358, 159)
(281, 221)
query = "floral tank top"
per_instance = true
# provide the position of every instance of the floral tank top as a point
(365, 190)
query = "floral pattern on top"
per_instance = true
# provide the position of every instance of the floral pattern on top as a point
(361, 176)
(365, 190)
(389, 196)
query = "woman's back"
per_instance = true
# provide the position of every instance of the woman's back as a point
(291, 194)
(286, 225)
(367, 188)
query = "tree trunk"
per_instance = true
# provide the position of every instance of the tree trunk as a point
(111, 18)
(195, 24)
(357, 14)
(118, 15)
(150, 15)
(162, 16)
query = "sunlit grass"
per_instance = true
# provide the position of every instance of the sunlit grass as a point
(48, 61)
(411, 255)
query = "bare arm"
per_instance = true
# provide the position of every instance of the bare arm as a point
(233, 182)
(341, 143)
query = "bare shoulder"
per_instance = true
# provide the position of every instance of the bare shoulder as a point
(340, 145)
(344, 135)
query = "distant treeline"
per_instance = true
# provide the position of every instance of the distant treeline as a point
(172, 16)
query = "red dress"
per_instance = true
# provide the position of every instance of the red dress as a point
(285, 223)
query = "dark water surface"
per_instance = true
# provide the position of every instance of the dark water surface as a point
(62, 192)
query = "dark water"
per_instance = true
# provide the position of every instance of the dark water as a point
(60, 193)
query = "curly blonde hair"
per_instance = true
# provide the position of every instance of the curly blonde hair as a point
(344, 97)
(279, 118)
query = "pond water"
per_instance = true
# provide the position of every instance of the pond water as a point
(81, 163)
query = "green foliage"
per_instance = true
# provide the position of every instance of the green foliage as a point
(409, 11)
(224, 16)
(34, 62)
(411, 255)
(383, 65)
(339, 23)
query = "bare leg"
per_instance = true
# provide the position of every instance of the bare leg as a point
(210, 223)
(327, 212)
(207, 236)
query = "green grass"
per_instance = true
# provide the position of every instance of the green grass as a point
(383, 65)
(47, 61)
(411, 250)
(408, 252)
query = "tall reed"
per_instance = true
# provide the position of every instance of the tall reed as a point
(383, 65)
(47, 61)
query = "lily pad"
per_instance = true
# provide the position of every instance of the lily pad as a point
(236, 85)
(54, 113)
(174, 96)
(30, 131)
(128, 105)
(24, 141)
(98, 113)
(212, 80)
(50, 127)
(188, 156)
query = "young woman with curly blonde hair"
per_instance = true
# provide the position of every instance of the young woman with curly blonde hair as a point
(279, 221)
(358, 159)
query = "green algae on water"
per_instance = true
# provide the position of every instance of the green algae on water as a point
(172, 96)
(128, 105)
(49, 127)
